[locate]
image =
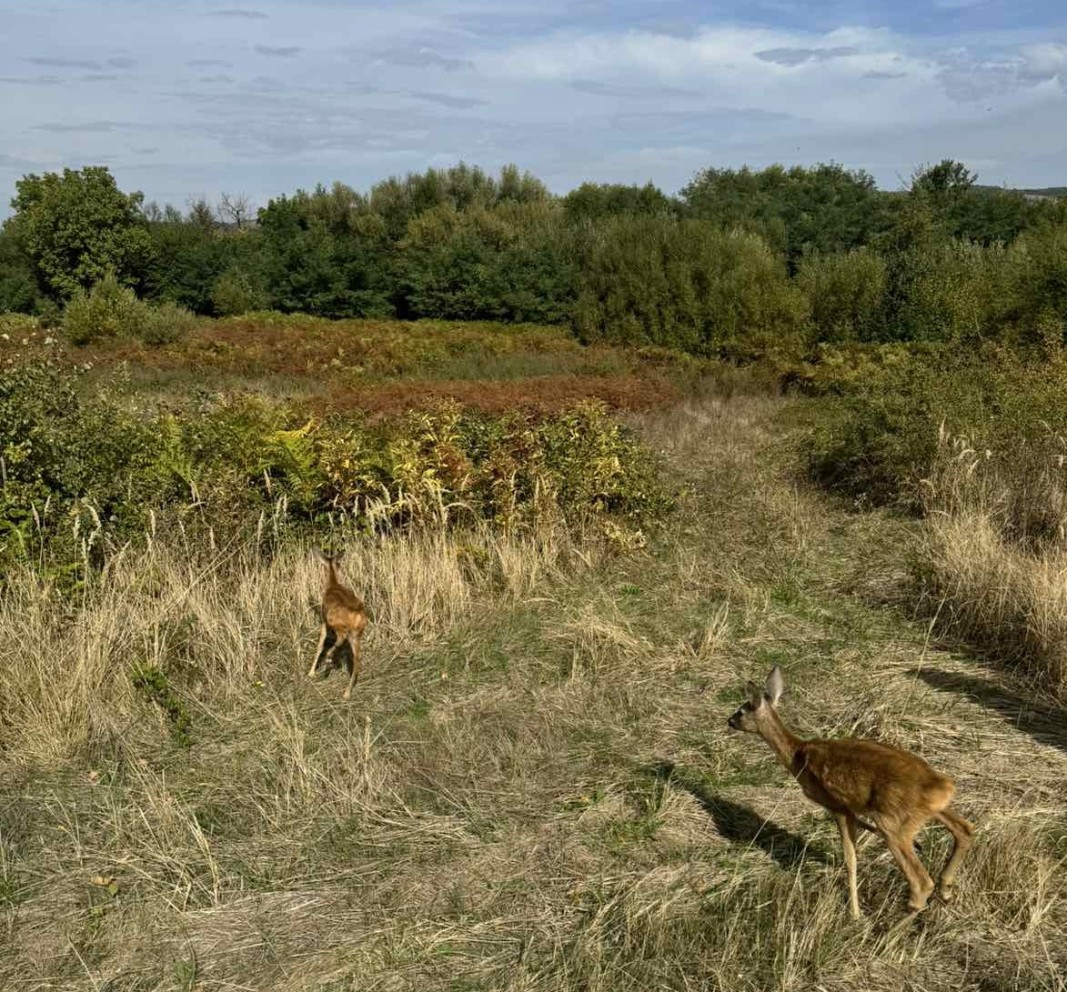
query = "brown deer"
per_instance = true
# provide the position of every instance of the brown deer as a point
(344, 618)
(855, 778)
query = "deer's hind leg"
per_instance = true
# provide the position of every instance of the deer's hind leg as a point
(962, 831)
(901, 843)
(354, 660)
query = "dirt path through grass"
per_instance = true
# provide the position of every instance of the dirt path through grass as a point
(533, 792)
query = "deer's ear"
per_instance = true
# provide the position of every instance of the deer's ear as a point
(338, 556)
(753, 692)
(318, 555)
(773, 689)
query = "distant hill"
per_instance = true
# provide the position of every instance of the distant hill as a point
(1046, 193)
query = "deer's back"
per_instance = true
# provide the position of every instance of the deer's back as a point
(342, 608)
(864, 776)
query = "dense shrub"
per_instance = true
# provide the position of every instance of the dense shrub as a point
(74, 466)
(886, 441)
(845, 291)
(684, 285)
(73, 459)
(108, 310)
(512, 262)
(1037, 290)
(956, 291)
(111, 310)
(236, 292)
(322, 253)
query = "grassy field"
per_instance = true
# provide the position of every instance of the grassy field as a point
(381, 367)
(533, 786)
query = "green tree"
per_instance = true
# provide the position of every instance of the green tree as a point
(963, 209)
(325, 253)
(513, 261)
(18, 288)
(825, 208)
(946, 180)
(684, 284)
(189, 252)
(75, 227)
(399, 201)
(595, 201)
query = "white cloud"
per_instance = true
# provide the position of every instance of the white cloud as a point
(359, 90)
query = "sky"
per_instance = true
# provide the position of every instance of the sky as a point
(189, 98)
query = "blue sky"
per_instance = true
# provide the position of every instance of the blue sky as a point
(260, 97)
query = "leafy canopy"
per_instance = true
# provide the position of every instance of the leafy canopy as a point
(76, 226)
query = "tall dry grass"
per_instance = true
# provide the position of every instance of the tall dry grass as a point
(1010, 601)
(995, 557)
(218, 624)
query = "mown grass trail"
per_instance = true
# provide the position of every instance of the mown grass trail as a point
(528, 791)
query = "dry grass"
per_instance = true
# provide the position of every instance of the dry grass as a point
(995, 559)
(227, 622)
(527, 791)
(1010, 602)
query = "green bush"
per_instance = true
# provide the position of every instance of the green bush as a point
(1038, 282)
(512, 470)
(165, 322)
(108, 310)
(886, 441)
(76, 461)
(683, 284)
(78, 468)
(959, 292)
(111, 310)
(235, 293)
(845, 291)
(510, 262)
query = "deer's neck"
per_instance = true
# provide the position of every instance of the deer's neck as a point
(782, 742)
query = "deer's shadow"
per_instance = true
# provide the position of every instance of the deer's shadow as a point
(741, 825)
(1043, 723)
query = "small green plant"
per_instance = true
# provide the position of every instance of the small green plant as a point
(153, 683)
(165, 322)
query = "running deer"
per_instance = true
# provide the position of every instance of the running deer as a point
(855, 778)
(344, 618)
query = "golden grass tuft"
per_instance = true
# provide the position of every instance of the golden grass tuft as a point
(1011, 602)
(995, 561)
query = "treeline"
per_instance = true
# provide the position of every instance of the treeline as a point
(738, 254)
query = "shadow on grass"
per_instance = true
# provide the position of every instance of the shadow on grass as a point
(1043, 724)
(741, 825)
